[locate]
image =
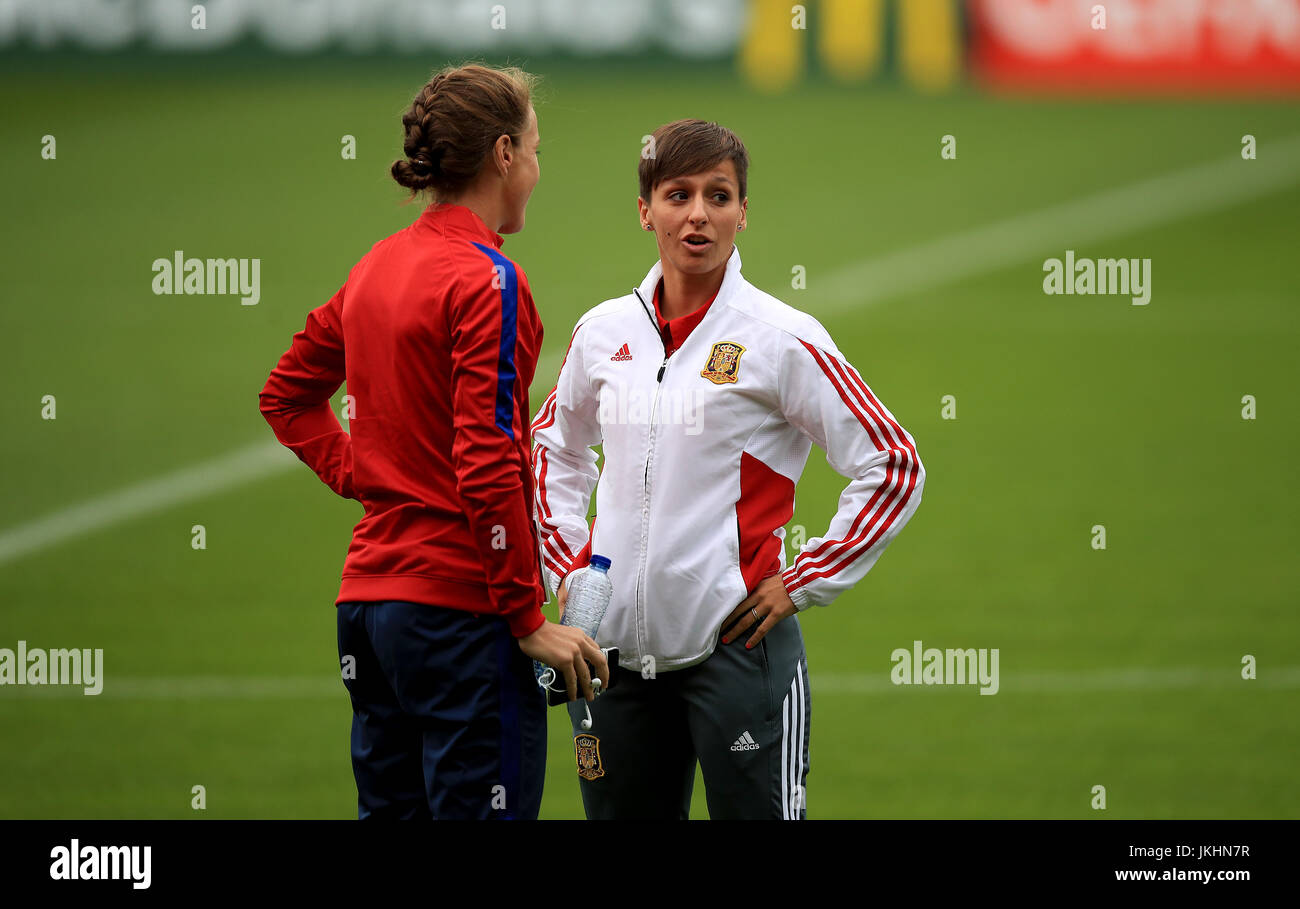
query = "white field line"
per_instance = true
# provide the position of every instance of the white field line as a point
(852, 684)
(1069, 225)
(1064, 682)
(236, 468)
(966, 254)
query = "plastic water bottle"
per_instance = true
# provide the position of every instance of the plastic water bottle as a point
(588, 597)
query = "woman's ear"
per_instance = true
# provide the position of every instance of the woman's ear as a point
(503, 154)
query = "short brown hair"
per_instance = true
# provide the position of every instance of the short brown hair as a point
(688, 147)
(453, 122)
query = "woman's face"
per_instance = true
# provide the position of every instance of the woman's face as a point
(522, 176)
(695, 218)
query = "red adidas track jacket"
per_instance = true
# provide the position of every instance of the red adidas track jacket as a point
(437, 335)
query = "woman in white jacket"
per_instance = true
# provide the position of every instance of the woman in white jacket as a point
(707, 395)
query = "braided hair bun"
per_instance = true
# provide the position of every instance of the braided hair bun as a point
(452, 124)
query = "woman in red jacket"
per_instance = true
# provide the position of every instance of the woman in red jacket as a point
(437, 336)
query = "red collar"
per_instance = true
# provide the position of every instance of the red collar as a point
(675, 331)
(451, 219)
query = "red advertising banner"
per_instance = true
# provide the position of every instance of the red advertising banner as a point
(1201, 46)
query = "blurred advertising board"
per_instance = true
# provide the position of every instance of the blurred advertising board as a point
(1193, 46)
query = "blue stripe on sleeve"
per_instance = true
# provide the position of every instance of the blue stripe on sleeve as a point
(506, 371)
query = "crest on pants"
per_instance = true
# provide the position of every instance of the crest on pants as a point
(588, 749)
(724, 362)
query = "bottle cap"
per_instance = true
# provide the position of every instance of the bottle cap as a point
(600, 563)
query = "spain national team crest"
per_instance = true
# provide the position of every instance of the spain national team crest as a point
(588, 748)
(724, 363)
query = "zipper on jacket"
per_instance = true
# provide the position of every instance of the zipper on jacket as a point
(645, 481)
(664, 365)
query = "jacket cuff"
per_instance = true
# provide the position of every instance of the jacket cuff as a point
(553, 582)
(799, 597)
(522, 624)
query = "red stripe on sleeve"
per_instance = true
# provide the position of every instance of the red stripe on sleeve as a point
(547, 519)
(826, 545)
(846, 551)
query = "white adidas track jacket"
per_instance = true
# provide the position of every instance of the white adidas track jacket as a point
(702, 453)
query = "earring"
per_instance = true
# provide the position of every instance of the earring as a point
(648, 226)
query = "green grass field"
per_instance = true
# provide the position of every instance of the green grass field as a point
(1119, 668)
